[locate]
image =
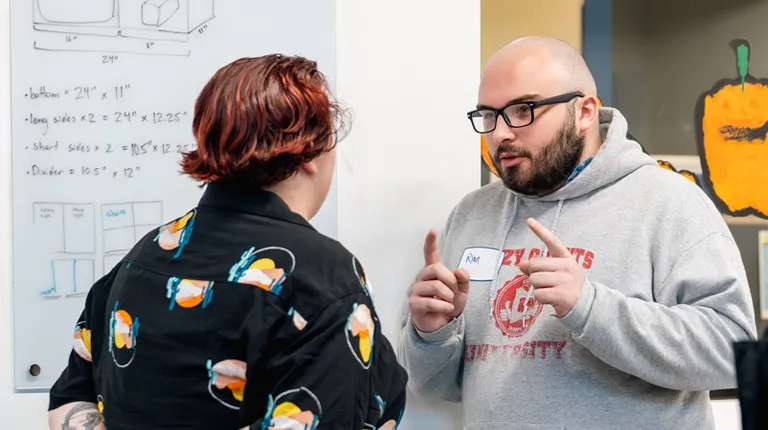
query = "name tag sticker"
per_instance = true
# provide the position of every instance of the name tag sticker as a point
(480, 262)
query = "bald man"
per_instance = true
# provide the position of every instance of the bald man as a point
(589, 288)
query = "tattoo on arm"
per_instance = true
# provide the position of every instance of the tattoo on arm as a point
(83, 416)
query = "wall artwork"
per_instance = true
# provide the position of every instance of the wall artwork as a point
(487, 156)
(762, 247)
(731, 121)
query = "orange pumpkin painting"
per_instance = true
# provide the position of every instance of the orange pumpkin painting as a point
(731, 121)
(487, 155)
(684, 173)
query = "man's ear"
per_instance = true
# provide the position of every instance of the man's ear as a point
(587, 113)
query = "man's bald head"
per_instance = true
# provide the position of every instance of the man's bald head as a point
(535, 146)
(556, 60)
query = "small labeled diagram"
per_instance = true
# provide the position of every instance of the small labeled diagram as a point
(123, 224)
(151, 27)
(68, 228)
(71, 277)
(68, 233)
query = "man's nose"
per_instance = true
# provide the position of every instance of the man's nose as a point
(503, 132)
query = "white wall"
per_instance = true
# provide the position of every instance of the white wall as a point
(412, 153)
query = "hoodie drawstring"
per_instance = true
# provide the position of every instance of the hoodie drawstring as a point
(499, 258)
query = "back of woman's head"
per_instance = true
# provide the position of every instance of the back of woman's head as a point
(259, 119)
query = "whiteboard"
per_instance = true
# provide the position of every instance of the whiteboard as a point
(102, 100)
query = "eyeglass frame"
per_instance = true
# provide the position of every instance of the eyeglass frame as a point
(562, 98)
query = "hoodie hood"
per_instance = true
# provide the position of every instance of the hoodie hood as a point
(617, 157)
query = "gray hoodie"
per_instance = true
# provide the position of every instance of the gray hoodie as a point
(665, 296)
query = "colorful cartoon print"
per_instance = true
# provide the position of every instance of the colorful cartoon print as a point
(123, 333)
(266, 268)
(359, 331)
(175, 235)
(188, 293)
(226, 382)
(293, 409)
(82, 342)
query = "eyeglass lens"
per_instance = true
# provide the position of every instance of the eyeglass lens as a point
(518, 115)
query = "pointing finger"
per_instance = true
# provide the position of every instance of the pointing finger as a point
(555, 246)
(431, 255)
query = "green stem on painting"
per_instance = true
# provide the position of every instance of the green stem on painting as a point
(742, 59)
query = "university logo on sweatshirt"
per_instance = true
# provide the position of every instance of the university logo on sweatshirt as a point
(513, 308)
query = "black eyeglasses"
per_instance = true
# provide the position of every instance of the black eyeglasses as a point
(516, 115)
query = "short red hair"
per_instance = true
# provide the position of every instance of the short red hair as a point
(259, 119)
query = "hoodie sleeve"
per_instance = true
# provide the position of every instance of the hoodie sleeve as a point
(683, 340)
(434, 361)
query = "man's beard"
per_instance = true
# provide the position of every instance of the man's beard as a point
(547, 171)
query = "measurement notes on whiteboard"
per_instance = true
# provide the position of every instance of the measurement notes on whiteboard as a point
(122, 157)
(92, 145)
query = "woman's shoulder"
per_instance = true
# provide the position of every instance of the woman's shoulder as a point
(328, 270)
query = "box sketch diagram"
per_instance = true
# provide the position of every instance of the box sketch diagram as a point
(123, 224)
(71, 277)
(153, 27)
(66, 227)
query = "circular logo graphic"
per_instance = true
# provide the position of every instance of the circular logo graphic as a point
(123, 333)
(265, 268)
(294, 409)
(513, 312)
(360, 330)
(228, 378)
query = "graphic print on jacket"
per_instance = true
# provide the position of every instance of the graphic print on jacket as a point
(359, 334)
(82, 342)
(244, 328)
(360, 273)
(176, 234)
(265, 268)
(293, 409)
(188, 293)
(123, 332)
(227, 376)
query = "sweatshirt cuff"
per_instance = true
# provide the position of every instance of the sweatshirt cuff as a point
(443, 333)
(577, 318)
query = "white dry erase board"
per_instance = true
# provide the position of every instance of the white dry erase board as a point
(103, 93)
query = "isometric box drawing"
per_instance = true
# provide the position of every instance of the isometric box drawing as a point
(153, 19)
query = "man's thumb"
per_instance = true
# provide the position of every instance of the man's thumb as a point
(462, 276)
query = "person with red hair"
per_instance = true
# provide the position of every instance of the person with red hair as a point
(239, 314)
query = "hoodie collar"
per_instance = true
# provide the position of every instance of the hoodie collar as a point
(616, 158)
